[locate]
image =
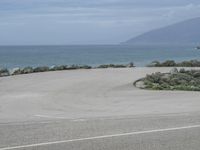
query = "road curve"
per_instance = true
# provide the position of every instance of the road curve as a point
(95, 109)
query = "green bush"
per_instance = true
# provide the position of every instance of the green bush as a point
(188, 80)
(172, 63)
(27, 70)
(130, 65)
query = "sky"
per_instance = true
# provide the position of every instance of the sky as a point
(71, 22)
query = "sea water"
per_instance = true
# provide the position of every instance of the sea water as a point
(140, 55)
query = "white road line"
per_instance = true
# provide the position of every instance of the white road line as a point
(79, 120)
(54, 117)
(24, 123)
(100, 137)
(46, 116)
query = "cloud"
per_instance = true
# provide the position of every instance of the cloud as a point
(182, 12)
(121, 18)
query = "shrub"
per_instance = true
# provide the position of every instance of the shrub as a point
(171, 63)
(188, 80)
(130, 65)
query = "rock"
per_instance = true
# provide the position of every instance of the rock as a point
(130, 65)
(103, 66)
(52, 67)
(174, 71)
(169, 63)
(85, 67)
(154, 64)
(4, 72)
(73, 67)
(55, 68)
(41, 69)
(140, 84)
(27, 70)
(182, 70)
(15, 71)
(112, 66)
(197, 74)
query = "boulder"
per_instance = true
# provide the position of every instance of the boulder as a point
(16, 71)
(169, 63)
(85, 67)
(54, 68)
(130, 65)
(197, 74)
(174, 71)
(27, 70)
(112, 66)
(73, 67)
(154, 64)
(140, 84)
(4, 72)
(182, 70)
(41, 69)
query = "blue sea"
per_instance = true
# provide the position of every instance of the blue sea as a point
(140, 55)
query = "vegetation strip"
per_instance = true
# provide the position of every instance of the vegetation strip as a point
(172, 63)
(27, 70)
(184, 80)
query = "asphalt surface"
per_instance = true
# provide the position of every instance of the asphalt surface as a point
(95, 110)
(157, 132)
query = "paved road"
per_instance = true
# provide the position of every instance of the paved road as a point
(95, 110)
(166, 132)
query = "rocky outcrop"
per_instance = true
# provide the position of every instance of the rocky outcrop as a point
(27, 70)
(4, 72)
(174, 71)
(41, 69)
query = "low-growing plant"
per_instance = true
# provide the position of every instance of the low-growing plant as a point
(172, 63)
(27, 70)
(187, 80)
(130, 65)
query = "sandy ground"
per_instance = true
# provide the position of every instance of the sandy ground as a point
(82, 94)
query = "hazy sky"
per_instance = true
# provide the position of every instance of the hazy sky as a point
(87, 21)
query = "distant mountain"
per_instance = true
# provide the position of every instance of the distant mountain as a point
(183, 32)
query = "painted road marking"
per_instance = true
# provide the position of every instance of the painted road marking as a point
(100, 137)
(47, 116)
(79, 120)
(54, 117)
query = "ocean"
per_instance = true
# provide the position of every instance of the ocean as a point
(140, 55)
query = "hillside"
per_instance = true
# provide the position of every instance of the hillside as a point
(183, 32)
